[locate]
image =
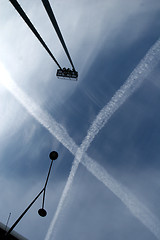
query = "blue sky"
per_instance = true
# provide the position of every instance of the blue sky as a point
(40, 113)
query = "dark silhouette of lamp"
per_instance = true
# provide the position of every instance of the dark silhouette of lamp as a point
(53, 156)
(42, 212)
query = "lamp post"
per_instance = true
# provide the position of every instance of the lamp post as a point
(42, 212)
(53, 156)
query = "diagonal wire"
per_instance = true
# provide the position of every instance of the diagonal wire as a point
(33, 29)
(50, 13)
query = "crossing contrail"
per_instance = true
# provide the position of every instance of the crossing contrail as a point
(135, 79)
(61, 134)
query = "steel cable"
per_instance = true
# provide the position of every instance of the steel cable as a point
(50, 13)
(33, 29)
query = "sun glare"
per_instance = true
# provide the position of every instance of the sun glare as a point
(5, 78)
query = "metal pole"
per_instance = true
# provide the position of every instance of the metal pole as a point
(46, 183)
(33, 29)
(13, 226)
(48, 8)
(53, 156)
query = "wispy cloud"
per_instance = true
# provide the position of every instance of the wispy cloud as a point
(137, 208)
(145, 66)
(135, 79)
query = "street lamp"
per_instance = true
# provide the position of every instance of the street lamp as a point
(53, 156)
(42, 212)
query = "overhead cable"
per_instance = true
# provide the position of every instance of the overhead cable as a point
(33, 29)
(49, 10)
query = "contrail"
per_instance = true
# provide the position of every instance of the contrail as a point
(61, 134)
(45, 119)
(137, 208)
(134, 81)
